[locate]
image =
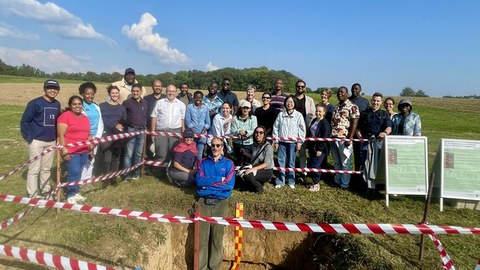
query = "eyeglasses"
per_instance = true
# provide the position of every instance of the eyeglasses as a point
(76, 104)
(216, 145)
(266, 98)
(300, 86)
(260, 132)
(226, 84)
(388, 104)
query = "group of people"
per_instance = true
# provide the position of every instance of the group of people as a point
(207, 163)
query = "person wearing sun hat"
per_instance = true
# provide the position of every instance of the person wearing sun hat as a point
(38, 128)
(406, 122)
(183, 166)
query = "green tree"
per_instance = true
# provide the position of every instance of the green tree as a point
(421, 93)
(408, 92)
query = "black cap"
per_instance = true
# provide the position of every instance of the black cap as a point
(51, 84)
(129, 70)
(188, 133)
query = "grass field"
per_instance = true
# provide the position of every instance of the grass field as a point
(123, 242)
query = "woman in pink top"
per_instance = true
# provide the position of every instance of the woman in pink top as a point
(73, 126)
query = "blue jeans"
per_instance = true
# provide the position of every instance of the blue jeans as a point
(74, 167)
(286, 159)
(315, 163)
(200, 146)
(133, 152)
(343, 161)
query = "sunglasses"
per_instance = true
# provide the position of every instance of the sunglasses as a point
(266, 98)
(260, 132)
(216, 145)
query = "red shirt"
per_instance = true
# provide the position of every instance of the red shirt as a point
(78, 130)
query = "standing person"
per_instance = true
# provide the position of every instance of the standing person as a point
(167, 116)
(215, 179)
(325, 95)
(244, 124)
(114, 117)
(362, 104)
(88, 90)
(289, 123)
(38, 128)
(278, 96)
(184, 161)
(151, 102)
(73, 126)
(212, 101)
(306, 106)
(318, 128)
(344, 125)
(406, 122)
(185, 96)
(389, 104)
(374, 125)
(261, 160)
(136, 108)
(222, 125)
(198, 119)
(250, 97)
(227, 95)
(266, 114)
(125, 85)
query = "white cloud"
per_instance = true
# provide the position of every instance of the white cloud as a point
(211, 67)
(12, 32)
(153, 43)
(57, 19)
(53, 60)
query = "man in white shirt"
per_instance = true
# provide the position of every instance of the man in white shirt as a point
(167, 116)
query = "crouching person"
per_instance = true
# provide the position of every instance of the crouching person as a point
(183, 168)
(215, 179)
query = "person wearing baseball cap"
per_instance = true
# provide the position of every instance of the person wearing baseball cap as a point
(38, 128)
(125, 85)
(183, 166)
(406, 122)
(243, 125)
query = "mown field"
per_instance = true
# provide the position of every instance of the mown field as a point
(124, 242)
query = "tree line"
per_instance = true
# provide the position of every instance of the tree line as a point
(261, 77)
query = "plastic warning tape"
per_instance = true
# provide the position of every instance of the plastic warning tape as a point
(12, 220)
(98, 210)
(446, 260)
(47, 259)
(238, 238)
(23, 165)
(209, 136)
(101, 177)
(315, 170)
(342, 228)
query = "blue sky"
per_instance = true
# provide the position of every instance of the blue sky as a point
(384, 45)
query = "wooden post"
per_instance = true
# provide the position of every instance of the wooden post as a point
(196, 237)
(425, 212)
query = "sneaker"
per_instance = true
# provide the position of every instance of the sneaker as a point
(292, 186)
(278, 186)
(135, 178)
(79, 197)
(71, 200)
(314, 188)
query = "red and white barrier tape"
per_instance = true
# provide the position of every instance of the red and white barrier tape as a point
(101, 177)
(12, 220)
(23, 165)
(446, 260)
(255, 224)
(315, 170)
(209, 136)
(98, 210)
(47, 259)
